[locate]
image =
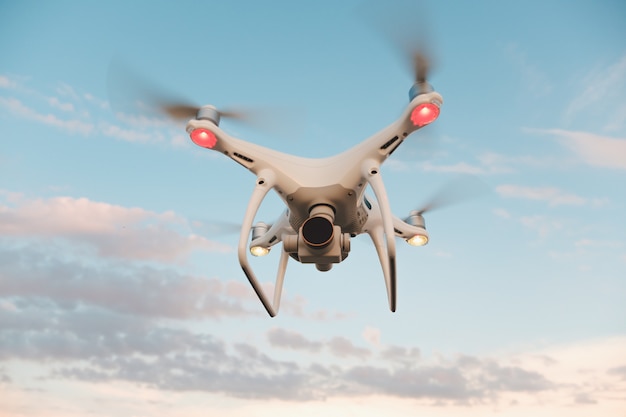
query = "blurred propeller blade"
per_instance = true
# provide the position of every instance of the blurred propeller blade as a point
(421, 67)
(179, 111)
(131, 93)
(454, 192)
(404, 25)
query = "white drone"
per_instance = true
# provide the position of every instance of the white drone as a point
(325, 197)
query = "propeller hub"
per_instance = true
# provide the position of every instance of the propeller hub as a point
(420, 88)
(209, 113)
(416, 219)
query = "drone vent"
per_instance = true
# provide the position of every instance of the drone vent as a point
(389, 143)
(245, 158)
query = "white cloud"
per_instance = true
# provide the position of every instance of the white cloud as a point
(58, 104)
(372, 336)
(592, 149)
(602, 88)
(459, 168)
(66, 90)
(129, 135)
(6, 82)
(541, 224)
(497, 163)
(553, 196)
(598, 243)
(88, 115)
(15, 106)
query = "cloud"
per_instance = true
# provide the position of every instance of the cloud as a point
(6, 82)
(18, 108)
(602, 88)
(58, 104)
(487, 163)
(85, 114)
(106, 328)
(36, 280)
(553, 196)
(111, 230)
(292, 340)
(459, 168)
(128, 135)
(498, 163)
(592, 149)
(338, 346)
(372, 335)
(536, 82)
(398, 354)
(543, 225)
(619, 371)
(344, 348)
(468, 379)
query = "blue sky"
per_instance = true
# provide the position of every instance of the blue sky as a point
(116, 298)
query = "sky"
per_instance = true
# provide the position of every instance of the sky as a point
(119, 296)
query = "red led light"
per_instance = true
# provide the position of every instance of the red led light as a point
(204, 138)
(424, 114)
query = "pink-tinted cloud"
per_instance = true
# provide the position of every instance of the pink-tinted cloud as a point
(112, 230)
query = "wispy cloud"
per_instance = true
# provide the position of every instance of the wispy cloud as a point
(552, 195)
(457, 168)
(602, 88)
(541, 224)
(592, 149)
(536, 81)
(58, 104)
(85, 114)
(129, 135)
(486, 163)
(6, 82)
(18, 108)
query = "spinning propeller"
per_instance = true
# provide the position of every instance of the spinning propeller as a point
(129, 92)
(185, 111)
(454, 192)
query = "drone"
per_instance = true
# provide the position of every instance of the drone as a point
(325, 198)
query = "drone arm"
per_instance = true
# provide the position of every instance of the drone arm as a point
(265, 182)
(371, 171)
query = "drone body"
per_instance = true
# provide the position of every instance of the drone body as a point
(325, 198)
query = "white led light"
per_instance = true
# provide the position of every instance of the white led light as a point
(259, 251)
(417, 240)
